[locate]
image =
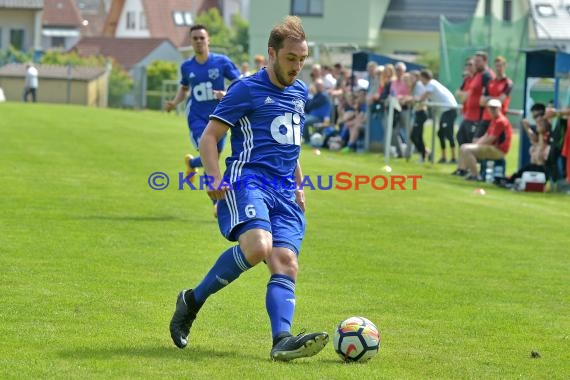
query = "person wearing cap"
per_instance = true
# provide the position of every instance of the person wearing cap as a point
(493, 145)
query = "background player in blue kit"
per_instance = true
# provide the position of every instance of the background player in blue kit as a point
(265, 112)
(204, 76)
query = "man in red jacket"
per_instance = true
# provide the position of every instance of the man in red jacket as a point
(493, 145)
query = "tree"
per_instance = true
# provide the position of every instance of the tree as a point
(239, 46)
(219, 33)
(12, 55)
(430, 60)
(234, 42)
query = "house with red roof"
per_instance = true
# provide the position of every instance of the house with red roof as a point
(61, 25)
(154, 19)
(129, 52)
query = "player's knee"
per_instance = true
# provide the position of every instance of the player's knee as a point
(283, 261)
(256, 245)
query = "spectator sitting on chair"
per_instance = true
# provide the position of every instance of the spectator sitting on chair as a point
(329, 81)
(565, 148)
(539, 140)
(493, 145)
(317, 110)
(357, 123)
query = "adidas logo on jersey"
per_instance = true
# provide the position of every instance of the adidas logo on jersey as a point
(192, 75)
(268, 100)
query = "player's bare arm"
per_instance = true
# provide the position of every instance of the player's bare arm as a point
(215, 130)
(180, 97)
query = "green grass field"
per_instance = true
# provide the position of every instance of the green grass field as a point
(461, 285)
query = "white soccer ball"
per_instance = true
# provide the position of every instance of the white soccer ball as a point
(356, 339)
(317, 140)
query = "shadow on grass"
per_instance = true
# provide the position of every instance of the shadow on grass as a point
(158, 352)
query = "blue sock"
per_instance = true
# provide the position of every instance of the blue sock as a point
(280, 303)
(229, 266)
(196, 162)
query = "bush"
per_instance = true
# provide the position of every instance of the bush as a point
(158, 71)
(154, 100)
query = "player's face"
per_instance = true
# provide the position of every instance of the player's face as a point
(289, 60)
(200, 40)
(479, 63)
(470, 66)
(494, 111)
(500, 67)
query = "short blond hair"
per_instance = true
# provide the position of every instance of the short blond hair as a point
(500, 59)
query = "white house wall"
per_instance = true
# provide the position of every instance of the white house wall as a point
(122, 31)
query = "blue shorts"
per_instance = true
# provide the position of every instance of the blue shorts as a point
(245, 209)
(195, 139)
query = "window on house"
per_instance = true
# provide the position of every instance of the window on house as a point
(17, 38)
(307, 8)
(188, 18)
(142, 21)
(131, 20)
(545, 10)
(58, 42)
(488, 10)
(507, 10)
(182, 18)
(178, 18)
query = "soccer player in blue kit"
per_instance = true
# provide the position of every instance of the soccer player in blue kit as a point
(204, 76)
(265, 113)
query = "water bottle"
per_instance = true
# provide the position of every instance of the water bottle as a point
(489, 175)
(498, 171)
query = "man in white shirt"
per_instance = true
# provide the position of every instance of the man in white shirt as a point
(31, 84)
(329, 80)
(438, 93)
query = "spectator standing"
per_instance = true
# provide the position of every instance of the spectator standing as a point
(31, 83)
(438, 93)
(468, 125)
(477, 88)
(499, 87)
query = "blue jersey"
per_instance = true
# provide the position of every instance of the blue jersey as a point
(203, 79)
(266, 123)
